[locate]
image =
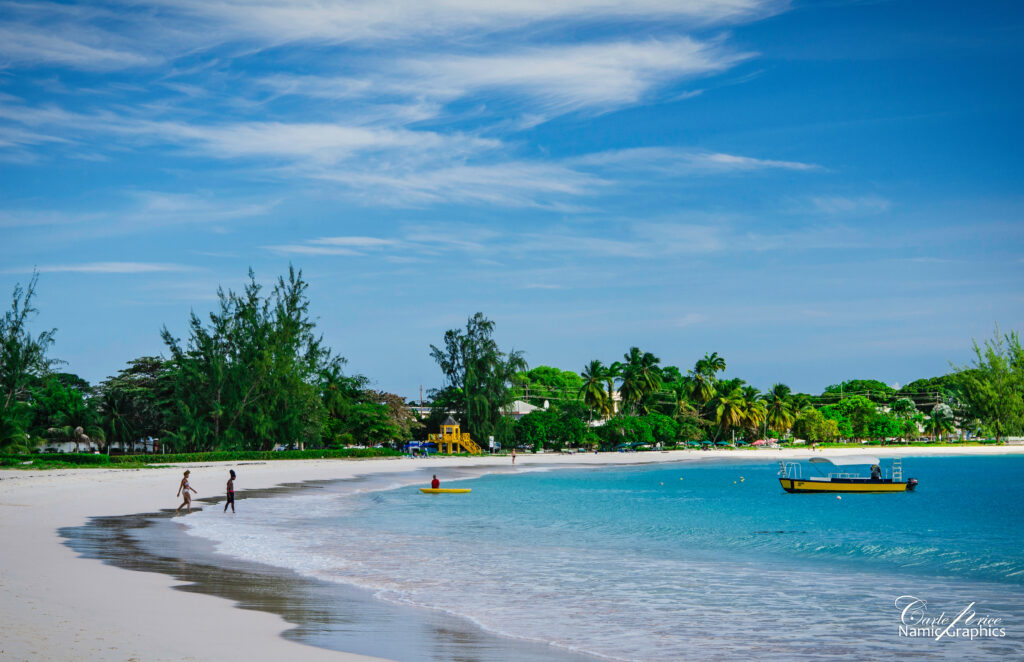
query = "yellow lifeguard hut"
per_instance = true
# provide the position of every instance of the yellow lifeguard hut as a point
(453, 440)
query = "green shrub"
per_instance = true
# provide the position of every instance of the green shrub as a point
(61, 460)
(232, 456)
(57, 461)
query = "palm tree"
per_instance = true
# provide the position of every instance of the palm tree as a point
(941, 420)
(13, 438)
(904, 409)
(681, 395)
(754, 415)
(594, 395)
(709, 365)
(611, 373)
(703, 383)
(78, 435)
(113, 418)
(702, 387)
(641, 377)
(779, 414)
(729, 410)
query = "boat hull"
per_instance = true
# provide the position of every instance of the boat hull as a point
(796, 485)
(441, 490)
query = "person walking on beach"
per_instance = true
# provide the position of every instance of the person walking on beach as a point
(183, 490)
(434, 484)
(231, 492)
(513, 455)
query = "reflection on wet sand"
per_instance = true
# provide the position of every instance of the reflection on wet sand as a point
(324, 614)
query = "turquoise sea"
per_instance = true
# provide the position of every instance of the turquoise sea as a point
(682, 561)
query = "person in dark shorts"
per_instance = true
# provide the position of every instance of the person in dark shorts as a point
(231, 492)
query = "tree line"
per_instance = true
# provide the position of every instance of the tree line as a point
(254, 375)
(639, 401)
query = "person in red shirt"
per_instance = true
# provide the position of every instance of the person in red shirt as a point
(434, 484)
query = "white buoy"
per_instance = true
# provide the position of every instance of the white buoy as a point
(838, 497)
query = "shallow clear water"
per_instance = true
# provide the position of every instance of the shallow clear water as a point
(667, 562)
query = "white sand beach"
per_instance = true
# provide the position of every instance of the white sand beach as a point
(57, 606)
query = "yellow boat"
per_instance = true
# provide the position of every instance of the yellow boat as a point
(442, 490)
(845, 481)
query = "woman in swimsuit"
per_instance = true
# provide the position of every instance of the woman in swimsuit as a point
(231, 492)
(183, 488)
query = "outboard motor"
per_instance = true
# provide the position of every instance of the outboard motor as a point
(911, 484)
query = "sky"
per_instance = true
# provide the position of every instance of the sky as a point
(818, 191)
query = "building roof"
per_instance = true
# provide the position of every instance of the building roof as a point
(450, 421)
(519, 407)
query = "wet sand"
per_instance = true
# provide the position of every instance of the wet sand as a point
(324, 614)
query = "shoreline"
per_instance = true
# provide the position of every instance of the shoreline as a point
(58, 605)
(329, 615)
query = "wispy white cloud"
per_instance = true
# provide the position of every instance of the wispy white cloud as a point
(400, 166)
(865, 204)
(510, 184)
(552, 184)
(932, 260)
(691, 319)
(32, 218)
(391, 20)
(139, 210)
(20, 45)
(313, 143)
(310, 249)
(11, 136)
(624, 240)
(377, 148)
(356, 241)
(162, 207)
(538, 81)
(104, 268)
(674, 160)
(570, 77)
(317, 142)
(118, 34)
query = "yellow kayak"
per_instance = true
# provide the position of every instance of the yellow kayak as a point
(441, 490)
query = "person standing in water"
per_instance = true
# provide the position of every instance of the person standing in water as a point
(231, 492)
(435, 484)
(183, 490)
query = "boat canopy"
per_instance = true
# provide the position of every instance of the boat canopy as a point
(847, 460)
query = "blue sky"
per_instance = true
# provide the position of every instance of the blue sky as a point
(816, 190)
